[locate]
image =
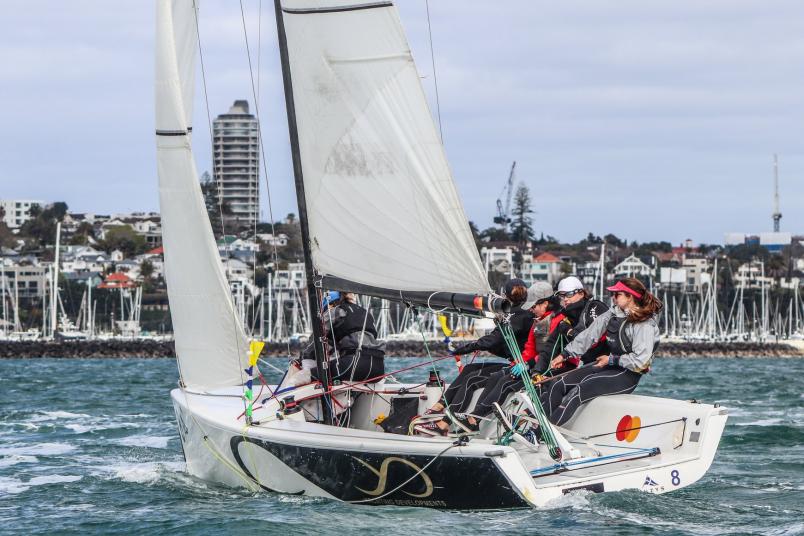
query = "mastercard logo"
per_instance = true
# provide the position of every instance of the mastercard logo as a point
(628, 428)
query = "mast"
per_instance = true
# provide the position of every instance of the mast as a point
(54, 308)
(312, 298)
(777, 215)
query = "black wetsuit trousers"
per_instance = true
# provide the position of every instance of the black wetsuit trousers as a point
(474, 376)
(497, 388)
(348, 368)
(562, 397)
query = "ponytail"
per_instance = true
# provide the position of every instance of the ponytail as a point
(646, 306)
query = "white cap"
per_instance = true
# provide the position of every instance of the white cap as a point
(538, 291)
(569, 284)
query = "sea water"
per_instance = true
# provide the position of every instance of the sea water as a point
(91, 447)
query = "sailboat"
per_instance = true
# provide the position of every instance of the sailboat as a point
(381, 217)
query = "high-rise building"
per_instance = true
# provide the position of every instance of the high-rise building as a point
(15, 211)
(236, 146)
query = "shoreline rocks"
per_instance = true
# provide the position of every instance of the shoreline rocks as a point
(161, 349)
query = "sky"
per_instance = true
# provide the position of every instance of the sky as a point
(650, 120)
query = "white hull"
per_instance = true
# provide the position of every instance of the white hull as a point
(673, 448)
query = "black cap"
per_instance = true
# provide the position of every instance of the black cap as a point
(509, 286)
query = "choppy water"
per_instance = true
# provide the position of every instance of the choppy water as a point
(91, 447)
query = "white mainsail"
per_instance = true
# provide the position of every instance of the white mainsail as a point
(381, 203)
(210, 341)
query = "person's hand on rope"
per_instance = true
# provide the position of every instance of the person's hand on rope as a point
(517, 369)
(557, 360)
(602, 361)
(450, 347)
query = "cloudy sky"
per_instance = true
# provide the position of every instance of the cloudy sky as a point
(652, 120)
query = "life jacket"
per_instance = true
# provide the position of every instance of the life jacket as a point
(531, 351)
(617, 338)
(558, 319)
(354, 321)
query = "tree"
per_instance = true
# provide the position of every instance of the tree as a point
(6, 236)
(82, 234)
(215, 208)
(591, 239)
(494, 234)
(41, 227)
(522, 224)
(745, 252)
(146, 269)
(125, 239)
(612, 240)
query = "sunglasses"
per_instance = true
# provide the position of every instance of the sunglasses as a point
(570, 294)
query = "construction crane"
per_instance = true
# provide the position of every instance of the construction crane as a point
(777, 215)
(502, 218)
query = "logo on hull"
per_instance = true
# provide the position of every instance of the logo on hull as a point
(382, 477)
(628, 428)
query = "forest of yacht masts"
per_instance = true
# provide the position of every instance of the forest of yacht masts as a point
(751, 315)
(280, 313)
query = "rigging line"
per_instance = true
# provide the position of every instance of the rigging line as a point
(435, 76)
(254, 93)
(220, 197)
(682, 419)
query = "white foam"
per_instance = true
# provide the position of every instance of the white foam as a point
(761, 422)
(146, 473)
(79, 428)
(53, 415)
(574, 499)
(52, 479)
(14, 459)
(38, 449)
(153, 442)
(11, 486)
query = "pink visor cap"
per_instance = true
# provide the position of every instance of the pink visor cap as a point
(620, 287)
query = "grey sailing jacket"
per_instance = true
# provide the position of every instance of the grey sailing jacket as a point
(644, 337)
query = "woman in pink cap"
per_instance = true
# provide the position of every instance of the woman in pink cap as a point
(632, 336)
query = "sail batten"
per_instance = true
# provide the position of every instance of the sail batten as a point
(382, 206)
(210, 340)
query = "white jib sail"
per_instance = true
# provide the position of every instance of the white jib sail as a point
(381, 203)
(210, 341)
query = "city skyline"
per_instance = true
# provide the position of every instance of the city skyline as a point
(652, 123)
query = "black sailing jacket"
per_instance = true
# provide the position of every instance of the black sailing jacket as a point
(520, 320)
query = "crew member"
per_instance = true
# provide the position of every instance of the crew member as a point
(474, 375)
(352, 348)
(541, 303)
(632, 336)
(578, 311)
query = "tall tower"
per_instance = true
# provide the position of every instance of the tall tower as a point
(236, 146)
(777, 216)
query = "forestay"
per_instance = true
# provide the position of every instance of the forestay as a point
(382, 207)
(210, 342)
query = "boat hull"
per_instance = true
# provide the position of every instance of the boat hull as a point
(369, 467)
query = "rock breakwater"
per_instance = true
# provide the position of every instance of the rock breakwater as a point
(138, 348)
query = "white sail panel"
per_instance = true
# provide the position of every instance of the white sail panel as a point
(382, 206)
(210, 341)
